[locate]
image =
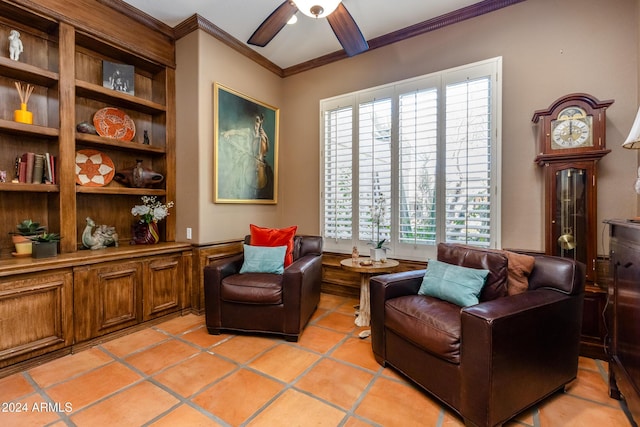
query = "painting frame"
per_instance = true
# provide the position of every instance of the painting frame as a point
(246, 142)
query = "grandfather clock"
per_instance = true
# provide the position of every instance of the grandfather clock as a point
(571, 141)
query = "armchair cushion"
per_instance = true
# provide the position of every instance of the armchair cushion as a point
(252, 288)
(453, 283)
(432, 324)
(262, 236)
(263, 259)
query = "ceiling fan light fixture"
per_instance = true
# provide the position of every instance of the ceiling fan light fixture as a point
(317, 8)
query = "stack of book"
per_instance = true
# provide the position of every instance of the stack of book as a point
(35, 168)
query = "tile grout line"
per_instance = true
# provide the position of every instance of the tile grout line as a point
(43, 394)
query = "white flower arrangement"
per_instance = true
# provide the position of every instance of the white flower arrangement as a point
(378, 213)
(151, 210)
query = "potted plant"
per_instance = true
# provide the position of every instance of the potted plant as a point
(45, 245)
(22, 238)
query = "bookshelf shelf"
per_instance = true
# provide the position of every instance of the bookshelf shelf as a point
(102, 142)
(121, 191)
(34, 188)
(21, 129)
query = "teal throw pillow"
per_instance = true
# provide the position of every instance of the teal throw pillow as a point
(452, 283)
(263, 259)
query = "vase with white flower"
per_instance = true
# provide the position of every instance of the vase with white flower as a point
(145, 230)
(378, 252)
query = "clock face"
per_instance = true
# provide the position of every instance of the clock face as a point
(572, 129)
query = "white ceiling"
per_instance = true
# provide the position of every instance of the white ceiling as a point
(309, 38)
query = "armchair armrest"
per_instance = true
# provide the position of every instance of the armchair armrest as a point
(301, 275)
(213, 275)
(382, 288)
(301, 289)
(533, 337)
(564, 274)
(225, 267)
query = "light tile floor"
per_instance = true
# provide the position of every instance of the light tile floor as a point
(176, 374)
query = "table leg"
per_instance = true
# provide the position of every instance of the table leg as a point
(364, 315)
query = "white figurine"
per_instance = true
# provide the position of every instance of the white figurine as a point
(15, 45)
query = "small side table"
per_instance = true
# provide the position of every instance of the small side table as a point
(366, 271)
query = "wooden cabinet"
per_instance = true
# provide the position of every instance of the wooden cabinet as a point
(36, 314)
(54, 304)
(624, 311)
(66, 302)
(112, 296)
(65, 45)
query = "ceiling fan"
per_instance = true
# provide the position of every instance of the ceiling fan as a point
(340, 20)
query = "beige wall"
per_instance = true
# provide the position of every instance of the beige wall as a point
(201, 61)
(544, 58)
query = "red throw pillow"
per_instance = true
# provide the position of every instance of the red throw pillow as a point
(262, 236)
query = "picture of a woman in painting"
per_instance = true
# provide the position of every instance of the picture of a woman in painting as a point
(248, 149)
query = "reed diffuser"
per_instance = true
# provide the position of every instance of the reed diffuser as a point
(22, 115)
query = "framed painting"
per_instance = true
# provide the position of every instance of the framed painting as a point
(120, 77)
(245, 148)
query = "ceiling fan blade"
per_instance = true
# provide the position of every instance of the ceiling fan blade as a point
(347, 31)
(273, 24)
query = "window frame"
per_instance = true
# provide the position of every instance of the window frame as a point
(491, 68)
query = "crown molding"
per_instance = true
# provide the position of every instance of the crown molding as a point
(423, 27)
(140, 16)
(197, 22)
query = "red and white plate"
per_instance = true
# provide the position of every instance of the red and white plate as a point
(113, 123)
(93, 168)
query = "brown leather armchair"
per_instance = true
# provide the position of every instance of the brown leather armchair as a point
(488, 361)
(262, 302)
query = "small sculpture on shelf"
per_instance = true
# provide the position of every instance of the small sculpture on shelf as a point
(15, 45)
(138, 176)
(146, 137)
(86, 127)
(102, 237)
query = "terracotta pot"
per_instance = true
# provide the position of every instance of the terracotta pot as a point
(22, 243)
(24, 248)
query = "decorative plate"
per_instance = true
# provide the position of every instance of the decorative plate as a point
(93, 168)
(113, 123)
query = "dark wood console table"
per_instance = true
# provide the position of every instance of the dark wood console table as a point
(624, 311)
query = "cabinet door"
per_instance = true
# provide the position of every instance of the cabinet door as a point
(107, 298)
(593, 327)
(36, 315)
(163, 286)
(626, 330)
